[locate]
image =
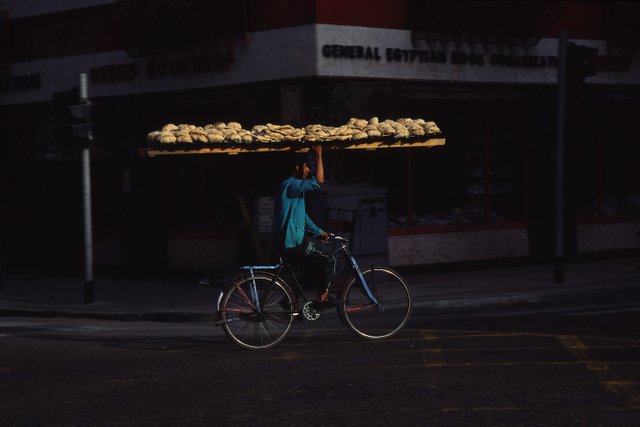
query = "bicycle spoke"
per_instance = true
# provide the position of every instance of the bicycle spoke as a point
(245, 297)
(255, 329)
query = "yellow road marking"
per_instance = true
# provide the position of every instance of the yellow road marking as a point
(436, 353)
(461, 334)
(434, 356)
(501, 349)
(123, 382)
(607, 376)
(291, 355)
(488, 409)
(489, 364)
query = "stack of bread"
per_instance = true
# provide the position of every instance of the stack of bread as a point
(354, 130)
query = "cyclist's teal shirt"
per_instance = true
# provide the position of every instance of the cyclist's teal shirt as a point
(290, 220)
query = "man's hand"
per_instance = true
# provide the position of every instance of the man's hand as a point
(318, 150)
(324, 237)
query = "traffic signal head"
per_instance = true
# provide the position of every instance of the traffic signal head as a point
(73, 114)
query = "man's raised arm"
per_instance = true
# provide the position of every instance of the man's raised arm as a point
(319, 165)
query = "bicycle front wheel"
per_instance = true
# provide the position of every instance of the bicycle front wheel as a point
(257, 313)
(383, 317)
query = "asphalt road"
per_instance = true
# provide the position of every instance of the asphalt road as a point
(554, 368)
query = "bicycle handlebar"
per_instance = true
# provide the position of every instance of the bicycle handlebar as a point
(342, 240)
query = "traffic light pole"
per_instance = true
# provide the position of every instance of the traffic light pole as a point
(558, 264)
(86, 193)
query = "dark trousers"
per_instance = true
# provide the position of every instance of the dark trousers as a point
(317, 257)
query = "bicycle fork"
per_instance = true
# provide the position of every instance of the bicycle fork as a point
(254, 292)
(363, 282)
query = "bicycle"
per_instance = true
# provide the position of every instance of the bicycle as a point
(258, 308)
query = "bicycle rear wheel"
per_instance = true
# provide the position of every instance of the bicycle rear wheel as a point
(260, 317)
(368, 319)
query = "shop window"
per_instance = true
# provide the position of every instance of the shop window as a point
(206, 195)
(476, 180)
(609, 181)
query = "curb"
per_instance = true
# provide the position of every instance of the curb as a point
(543, 299)
(150, 316)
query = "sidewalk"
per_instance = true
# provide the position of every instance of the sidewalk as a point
(605, 281)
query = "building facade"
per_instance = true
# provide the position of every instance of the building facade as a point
(485, 72)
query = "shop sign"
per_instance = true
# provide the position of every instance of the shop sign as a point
(158, 68)
(20, 83)
(461, 58)
(188, 65)
(114, 73)
(358, 52)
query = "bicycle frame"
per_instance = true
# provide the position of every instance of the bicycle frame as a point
(280, 266)
(254, 293)
(356, 268)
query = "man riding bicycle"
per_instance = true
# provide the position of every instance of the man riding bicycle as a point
(259, 306)
(296, 236)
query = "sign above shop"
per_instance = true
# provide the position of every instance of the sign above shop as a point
(395, 54)
(159, 67)
(20, 83)
(456, 57)
(318, 50)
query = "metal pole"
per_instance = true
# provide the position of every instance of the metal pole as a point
(86, 193)
(560, 153)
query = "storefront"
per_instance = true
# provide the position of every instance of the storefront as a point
(488, 194)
